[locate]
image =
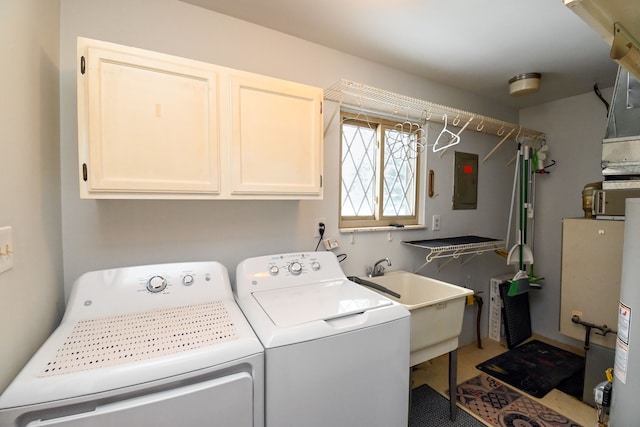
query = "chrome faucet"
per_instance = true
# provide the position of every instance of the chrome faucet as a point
(377, 269)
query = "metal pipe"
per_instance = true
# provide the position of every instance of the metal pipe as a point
(604, 329)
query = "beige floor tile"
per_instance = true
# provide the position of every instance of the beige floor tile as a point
(435, 373)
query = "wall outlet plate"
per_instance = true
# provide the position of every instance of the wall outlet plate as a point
(435, 222)
(6, 249)
(316, 233)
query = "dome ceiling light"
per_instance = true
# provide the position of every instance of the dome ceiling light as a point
(524, 84)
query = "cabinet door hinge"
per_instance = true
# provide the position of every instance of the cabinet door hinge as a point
(84, 172)
(82, 65)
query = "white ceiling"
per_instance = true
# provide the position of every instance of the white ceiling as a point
(475, 45)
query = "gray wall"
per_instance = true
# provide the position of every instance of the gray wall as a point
(110, 233)
(102, 234)
(574, 128)
(31, 294)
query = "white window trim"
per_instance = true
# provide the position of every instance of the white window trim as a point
(420, 197)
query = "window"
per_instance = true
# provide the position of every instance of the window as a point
(379, 171)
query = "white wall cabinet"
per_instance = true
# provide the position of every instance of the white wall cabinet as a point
(591, 274)
(157, 126)
(276, 136)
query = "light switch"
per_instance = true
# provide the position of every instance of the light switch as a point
(6, 249)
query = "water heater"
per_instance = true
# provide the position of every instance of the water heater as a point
(625, 410)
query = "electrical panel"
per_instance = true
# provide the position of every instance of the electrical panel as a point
(465, 181)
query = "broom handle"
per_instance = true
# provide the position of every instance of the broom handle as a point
(525, 185)
(521, 208)
(513, 198)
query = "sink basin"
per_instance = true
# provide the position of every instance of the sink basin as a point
(436, 308)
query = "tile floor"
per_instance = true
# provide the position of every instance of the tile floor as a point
(435, 373)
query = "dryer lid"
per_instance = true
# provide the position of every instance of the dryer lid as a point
(319, 301)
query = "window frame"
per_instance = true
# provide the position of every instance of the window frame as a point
(379, 220)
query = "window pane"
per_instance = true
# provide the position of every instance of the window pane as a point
(399, 173)
(358, 170)
(378, 182)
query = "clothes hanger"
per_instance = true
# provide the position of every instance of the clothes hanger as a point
(409, 140)
(455, 139)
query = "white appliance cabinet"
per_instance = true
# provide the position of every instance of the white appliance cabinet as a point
(591, 275)
(157, 126)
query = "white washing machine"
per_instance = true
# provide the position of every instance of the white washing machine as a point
(336, 353)
(157, 345)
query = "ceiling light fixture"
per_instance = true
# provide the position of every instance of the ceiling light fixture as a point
(524, 83)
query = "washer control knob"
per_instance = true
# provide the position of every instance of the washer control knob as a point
(188, 280)
(315, 266)
(295, 268)
(274, 270)
(156, 284)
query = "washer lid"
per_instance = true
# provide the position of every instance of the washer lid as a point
(319, 301)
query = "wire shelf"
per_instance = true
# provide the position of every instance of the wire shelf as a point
(367, 98)
(455, 247)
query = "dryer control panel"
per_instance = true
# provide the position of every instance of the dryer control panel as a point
(147, 287)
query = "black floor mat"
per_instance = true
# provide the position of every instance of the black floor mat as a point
(535, 368)
(430, 409)
(574, 385)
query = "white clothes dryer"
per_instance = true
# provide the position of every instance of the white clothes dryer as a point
(336, 353)
(157, 345)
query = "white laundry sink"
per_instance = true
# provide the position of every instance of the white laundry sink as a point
(436, 308)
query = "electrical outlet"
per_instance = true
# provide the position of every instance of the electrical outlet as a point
(435, 222)
(316, 226)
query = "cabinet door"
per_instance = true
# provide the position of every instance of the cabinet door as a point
(276, 137)
(148, 123)
(591, 274)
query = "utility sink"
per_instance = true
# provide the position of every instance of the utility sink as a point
(436, 308)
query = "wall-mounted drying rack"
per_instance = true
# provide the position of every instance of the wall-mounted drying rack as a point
(455, 247)
(371, 99)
